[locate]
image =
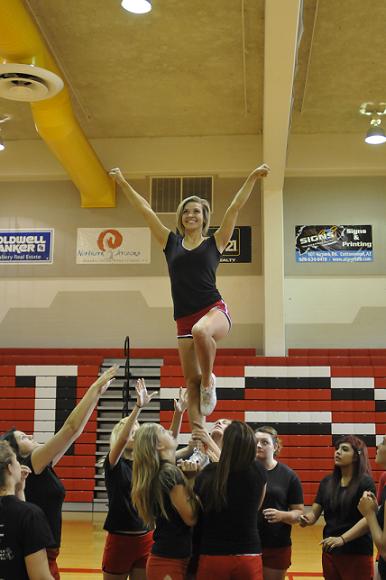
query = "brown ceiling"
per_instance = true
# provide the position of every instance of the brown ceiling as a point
(178, 71)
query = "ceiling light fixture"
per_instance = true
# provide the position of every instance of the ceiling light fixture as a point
(375, 135)
(137, 6)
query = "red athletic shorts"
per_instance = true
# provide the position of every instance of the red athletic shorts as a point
(123, 552)
(159, 568)
(186, 323)
(241, 567)
(277, 558)
(52, 555)
(347, 566)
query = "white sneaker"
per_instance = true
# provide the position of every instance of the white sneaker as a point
(208, 398)
(199, 457)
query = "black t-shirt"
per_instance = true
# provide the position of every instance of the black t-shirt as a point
(344, 517)
(121, 517)
(381, 518)
(192, 274)
(47, 491)
(283, 489)
(233, 530)
(23, 531)
(172, 537)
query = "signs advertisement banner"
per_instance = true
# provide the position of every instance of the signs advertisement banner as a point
(334, 243)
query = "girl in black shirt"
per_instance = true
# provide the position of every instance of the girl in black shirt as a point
(162, 498)
(337, 497)
(43, 487)
(24, 531)
(202, 317)
(282, 507)
(231, 493)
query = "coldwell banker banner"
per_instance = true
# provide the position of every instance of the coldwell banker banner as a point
(113, 246)
(334, 244)
(26, 246)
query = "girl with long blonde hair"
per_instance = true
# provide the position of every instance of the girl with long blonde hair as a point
(164, 501)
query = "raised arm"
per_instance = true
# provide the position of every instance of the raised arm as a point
(139, 203)
(224, 233)
(185, 502)
(56, 447)
(180, 406)
(143, 399)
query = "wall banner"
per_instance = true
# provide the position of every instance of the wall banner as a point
(334, 243)
(113, 246)
(239, 248)
(34, 246)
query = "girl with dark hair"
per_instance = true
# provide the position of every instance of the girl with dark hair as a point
(231, 493)
(163, 501)
(192, 256)
(25, 533)
(43, 487)
(282, 507)
(338, 497)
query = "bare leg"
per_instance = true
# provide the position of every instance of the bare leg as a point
(138, 574)
(107, 576)
(192, 375)
(271, 574)
(206, 333)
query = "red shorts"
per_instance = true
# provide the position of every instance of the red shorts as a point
(230, 568)
(123, 552)
(277, 558)
(52, 555)
(159, 568)
(347, 566)
(186, 323)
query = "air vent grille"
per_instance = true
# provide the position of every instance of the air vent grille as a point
(167, 192)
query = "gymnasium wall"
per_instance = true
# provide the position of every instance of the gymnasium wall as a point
(335, 304)
(70, 305)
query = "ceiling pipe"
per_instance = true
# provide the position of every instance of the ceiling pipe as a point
(21, 42)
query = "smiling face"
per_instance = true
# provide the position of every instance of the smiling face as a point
(192, 217)
(345, 455)
(381, 452)
(26, 443)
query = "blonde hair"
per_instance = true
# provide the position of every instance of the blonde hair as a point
(6, 455)
(205, 212)
(151, 477)
(113, 439)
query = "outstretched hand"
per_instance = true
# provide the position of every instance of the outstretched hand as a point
(261, 171)
(143, 397)
(181, 404)
(104, 381)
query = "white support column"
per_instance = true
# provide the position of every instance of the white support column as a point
(281, 35)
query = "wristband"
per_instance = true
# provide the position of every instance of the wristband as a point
(138, 407)
(344, 541)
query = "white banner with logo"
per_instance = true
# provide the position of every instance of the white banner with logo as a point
(113, 246)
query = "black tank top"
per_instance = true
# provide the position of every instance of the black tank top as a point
(192, 274)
